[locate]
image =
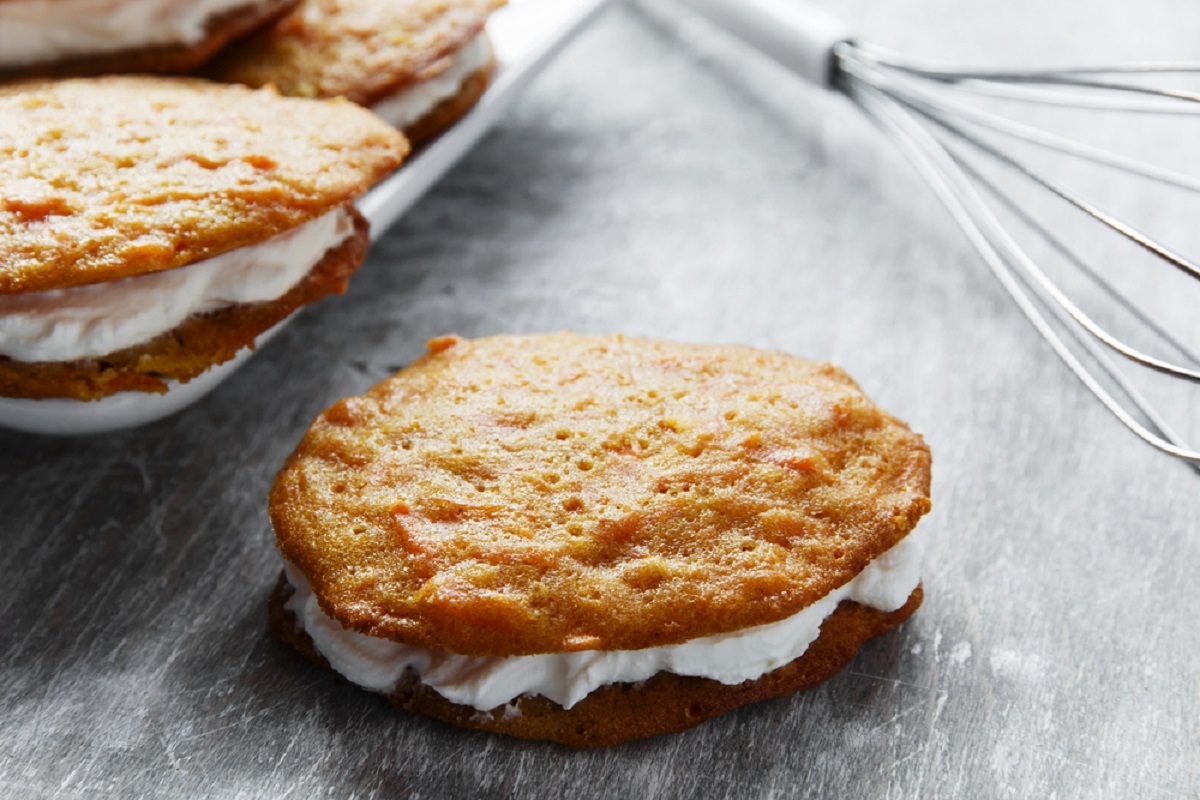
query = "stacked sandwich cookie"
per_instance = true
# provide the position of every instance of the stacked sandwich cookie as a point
(93, 37)
(595, 539)
(152, 228)
(419, 64)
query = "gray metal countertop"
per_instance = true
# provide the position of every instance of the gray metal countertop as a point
(658, 180)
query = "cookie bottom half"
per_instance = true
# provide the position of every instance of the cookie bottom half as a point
(167, 59)
(445, 114)
(623, 712)
(201, 342)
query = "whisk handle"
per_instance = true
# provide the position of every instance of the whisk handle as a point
(798, 35)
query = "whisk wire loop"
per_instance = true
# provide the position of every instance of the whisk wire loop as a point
(953, 188)
(896, 107)
(937, 115)
(1045, 86)
(1079, 263)
(1018, 255)
(945, 107)
(1086, 77)
(918, 104)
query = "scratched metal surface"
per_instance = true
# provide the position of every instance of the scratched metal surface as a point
(658, 181)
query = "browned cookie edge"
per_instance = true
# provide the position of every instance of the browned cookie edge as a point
(624, 712)
(201, 342)
(448, 112)
(162, 59)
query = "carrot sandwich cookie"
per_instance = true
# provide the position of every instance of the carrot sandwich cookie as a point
(592, 540)
(90, 37)
(151, 228)
(419, 64)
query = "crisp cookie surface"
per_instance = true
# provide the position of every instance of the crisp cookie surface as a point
(521, 495)
(108, 178)
(161, 59)
(361, 49)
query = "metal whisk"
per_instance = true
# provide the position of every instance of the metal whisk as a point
(951, 143)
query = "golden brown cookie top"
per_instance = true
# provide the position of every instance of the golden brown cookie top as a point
(519, 495)
(361, 49)
(108, 178)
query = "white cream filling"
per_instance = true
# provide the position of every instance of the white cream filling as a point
(566, 678)
(35, 31)
(412, 103)
(95, 320)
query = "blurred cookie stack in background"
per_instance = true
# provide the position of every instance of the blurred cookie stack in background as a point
(420, 64)
(97, 37)
(155, 226)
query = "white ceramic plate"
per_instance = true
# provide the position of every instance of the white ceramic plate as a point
(526, 35)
